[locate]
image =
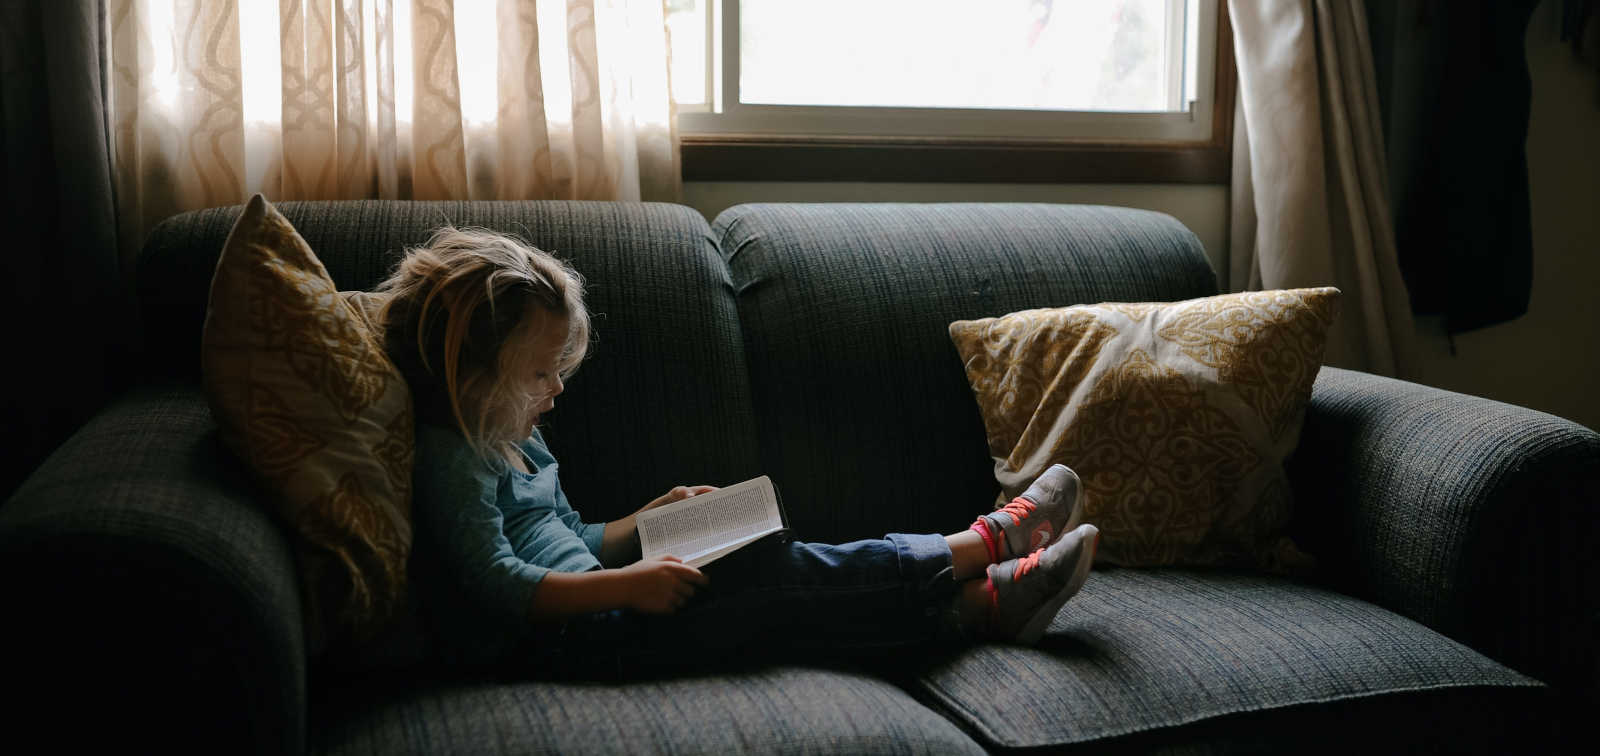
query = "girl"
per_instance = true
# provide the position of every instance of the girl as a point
(486, 331)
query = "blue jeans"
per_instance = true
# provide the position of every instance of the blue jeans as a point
(774, 600)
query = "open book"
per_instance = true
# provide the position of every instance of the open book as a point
(705, 527)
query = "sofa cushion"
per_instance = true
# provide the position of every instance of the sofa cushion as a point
(304, 394)
(773, 710)
(867, 423)
(1139, 651)
(659, 293)
(1177, 416)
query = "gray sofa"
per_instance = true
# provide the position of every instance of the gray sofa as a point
(151, 601)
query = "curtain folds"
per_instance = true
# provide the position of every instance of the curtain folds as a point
(70, 314)
(1310, 200)
(405, 99)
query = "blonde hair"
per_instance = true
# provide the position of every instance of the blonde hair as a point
(453, 303)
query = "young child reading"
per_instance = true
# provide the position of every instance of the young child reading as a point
(486, 330)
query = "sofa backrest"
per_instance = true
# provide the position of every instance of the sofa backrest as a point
(866, 420)
(663, 398)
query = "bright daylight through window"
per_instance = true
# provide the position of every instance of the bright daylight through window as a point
(1106, 69)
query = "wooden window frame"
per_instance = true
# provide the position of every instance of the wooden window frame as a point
(753, 157)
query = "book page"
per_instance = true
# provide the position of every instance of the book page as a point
(702, 528)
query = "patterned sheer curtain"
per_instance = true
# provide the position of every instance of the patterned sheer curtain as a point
(214, 100)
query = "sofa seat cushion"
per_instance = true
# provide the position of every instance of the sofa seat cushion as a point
(770, 710)
(1140, 652)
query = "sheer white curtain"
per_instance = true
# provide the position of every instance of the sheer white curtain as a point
(1310, 192)
(214, 100)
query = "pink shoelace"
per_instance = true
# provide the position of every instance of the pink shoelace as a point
(1018, 509)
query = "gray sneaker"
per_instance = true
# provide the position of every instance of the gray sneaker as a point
(1041, 514)
(1028, 592)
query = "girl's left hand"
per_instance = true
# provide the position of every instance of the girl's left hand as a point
(678, 493)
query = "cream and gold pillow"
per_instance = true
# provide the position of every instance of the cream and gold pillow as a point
(302, 390)
(1177, 416)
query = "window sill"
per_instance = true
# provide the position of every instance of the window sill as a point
(765, 158)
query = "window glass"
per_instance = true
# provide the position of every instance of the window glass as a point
(1070, 55)
(1013, 54)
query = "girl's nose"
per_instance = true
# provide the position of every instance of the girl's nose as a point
(559, 387)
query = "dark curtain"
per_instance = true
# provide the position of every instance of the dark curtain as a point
(1454, 90)
(1580, 28)
(69, 313)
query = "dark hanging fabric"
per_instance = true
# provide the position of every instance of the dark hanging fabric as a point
(1575, 15)
(1455, 94)
(68, 314)
(1579, 23)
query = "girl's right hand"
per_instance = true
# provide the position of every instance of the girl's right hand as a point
(661, 585)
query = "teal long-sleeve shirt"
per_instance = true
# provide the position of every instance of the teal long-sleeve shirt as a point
(486, 534)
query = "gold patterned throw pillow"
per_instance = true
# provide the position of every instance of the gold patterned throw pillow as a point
(302, 390)
(1177, 416)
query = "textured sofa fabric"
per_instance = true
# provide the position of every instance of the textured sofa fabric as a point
(1139, 651)
(764, 710)
(859, 393)
(809, 343)
(1475, 517)
(138, 561)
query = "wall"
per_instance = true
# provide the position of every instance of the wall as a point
(1548, 359)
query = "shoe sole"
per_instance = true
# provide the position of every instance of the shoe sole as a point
(1034, 628)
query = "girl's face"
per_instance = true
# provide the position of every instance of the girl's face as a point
(534, 362)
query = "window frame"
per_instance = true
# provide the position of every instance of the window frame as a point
(856, 157)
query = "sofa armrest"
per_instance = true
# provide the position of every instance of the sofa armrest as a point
(1477, 518)
(148, 598)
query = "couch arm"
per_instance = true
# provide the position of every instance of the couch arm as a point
(149, 602)
(1478, 518)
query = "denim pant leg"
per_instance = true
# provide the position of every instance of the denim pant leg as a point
(779, 600)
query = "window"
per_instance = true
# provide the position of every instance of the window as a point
(974, 90)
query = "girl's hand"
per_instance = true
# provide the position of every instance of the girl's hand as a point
(678, 493)
(661, 585)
